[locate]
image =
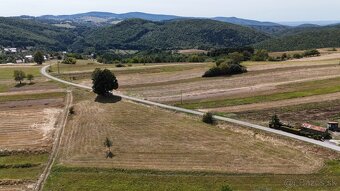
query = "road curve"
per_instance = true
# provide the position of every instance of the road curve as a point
(234, 121)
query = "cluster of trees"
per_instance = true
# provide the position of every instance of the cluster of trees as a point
(228, 66)
(154, 56)
(20, 76)
(69, 60)
(285, 56)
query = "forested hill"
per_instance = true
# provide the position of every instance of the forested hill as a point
(17, 32)
(176, 34)
(138, 34)
(302, 38)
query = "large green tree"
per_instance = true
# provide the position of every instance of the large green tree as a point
(103, 81)
(39, 57)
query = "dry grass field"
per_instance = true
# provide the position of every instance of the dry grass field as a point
(28, 124)
(151, 138)
(29, 117)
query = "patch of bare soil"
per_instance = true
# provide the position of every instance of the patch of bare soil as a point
(28, 124)
(16, 185)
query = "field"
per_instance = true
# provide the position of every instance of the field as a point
(66, 178)
(163, 150)
(29, 116)
(156, 149)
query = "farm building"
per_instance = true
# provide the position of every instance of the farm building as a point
(313, 130)
(333, 126)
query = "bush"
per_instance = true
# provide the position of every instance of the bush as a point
(260, 55)
(69, 61)
(120, 65)
(226, 68)
(208, 118)
(309, 53)
(297, 56)
(71, 110)
(214, 71)
(226, 188)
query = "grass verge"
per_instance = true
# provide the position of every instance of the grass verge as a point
(31, 96)
(22, 166)
(71, 178)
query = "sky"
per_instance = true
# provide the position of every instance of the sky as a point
(263, 10)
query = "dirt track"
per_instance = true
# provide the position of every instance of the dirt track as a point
(58, 138)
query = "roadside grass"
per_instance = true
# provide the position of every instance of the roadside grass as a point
(3, 87)
(77, 178)
(6, 73)
(31, 96)
(22, 166)
(299, 90)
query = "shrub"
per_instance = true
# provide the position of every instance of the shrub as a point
(297, 56)
(214, 71)
(226, 188)
(120, 65)
(71, 110)
(260, 55)
(208, 118)
(226, 68)
(69, 61)
(309, 53)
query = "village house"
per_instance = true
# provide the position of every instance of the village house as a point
(10, 50)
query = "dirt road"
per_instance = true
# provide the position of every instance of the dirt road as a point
(62, 123)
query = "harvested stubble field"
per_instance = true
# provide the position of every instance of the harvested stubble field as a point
(167, 86)
(151, 138)
(317, 113)
(29, 118)
(28, 121)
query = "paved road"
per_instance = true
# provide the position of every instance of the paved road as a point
(234, 121)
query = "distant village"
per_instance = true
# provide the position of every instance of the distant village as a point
(10, 55)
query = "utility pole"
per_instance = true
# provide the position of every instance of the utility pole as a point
(58, 67)
(181, 97)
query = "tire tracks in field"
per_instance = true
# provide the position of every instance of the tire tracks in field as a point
(55, 149)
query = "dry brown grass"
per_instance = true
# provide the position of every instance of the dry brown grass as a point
(248, 84)
(151, 138)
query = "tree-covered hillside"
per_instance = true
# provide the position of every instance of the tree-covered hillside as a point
(302, 38)
(17, 32)
(178, 34)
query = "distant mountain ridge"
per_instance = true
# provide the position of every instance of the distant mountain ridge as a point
(107, 17)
